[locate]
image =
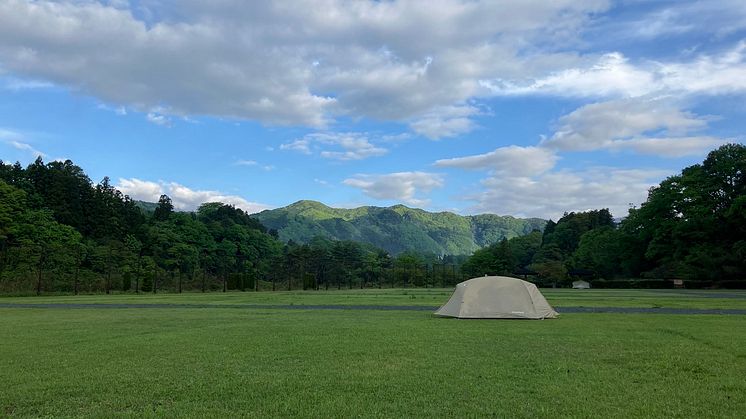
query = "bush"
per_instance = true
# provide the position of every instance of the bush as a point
(738, 284)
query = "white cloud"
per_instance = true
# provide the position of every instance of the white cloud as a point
(646, 126)
(26, 147)
(119, 110)
(708, 74)
(344, 145)
(511, 161)
(301, 145)
(253, 163)
(158, 119)
(446, 121)
(142, 190)
(612, 75)
(18, 141)
(551, 194)
(182, 197)
(721, 17)
(16, 84)
(386, 60)
(404, 187)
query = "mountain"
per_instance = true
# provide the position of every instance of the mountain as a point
(146, 206)
(396, 229)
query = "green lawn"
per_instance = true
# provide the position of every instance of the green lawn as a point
(328, 363)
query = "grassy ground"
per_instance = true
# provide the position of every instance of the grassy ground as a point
(716, 299)
(319, 363)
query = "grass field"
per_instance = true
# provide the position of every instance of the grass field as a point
(561, 297)
(182, 362)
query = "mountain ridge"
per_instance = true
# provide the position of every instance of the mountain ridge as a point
(397, 228)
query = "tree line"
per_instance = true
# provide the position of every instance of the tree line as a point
(61, 233)
(692, 227)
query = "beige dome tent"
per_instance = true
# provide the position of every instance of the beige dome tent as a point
(497, 297)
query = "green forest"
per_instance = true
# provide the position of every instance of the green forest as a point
(61, 233)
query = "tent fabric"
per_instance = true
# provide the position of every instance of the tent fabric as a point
(497, 297)
(581, 285)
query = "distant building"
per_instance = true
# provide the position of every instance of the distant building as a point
(581, 285)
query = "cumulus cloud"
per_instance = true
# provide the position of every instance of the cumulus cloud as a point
(337, 146)
(292, 62)
(446, 121)
(142, 190)
(708, 74)
(511, 161)
(612, 75)
(551, 194)
(404, 187)
(642, 125)
(182, 197)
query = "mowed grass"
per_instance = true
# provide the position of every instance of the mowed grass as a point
(711, 299)
(206, 362)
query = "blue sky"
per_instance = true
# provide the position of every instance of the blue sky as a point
(518, 107)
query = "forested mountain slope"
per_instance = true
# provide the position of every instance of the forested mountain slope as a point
(395, 229)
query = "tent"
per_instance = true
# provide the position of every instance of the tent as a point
(581, 285)
(497, 297)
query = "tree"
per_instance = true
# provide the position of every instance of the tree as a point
(691, 223)
(600, 250)
(164, 209)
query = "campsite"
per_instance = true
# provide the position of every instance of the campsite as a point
(372, 209)
(242, 361)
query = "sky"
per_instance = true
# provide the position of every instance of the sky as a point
(527, 108)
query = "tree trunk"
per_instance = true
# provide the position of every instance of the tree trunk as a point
(225, 282)
(38, 276)
(139, 272)
(181, 275)
(108, 270)
(204, 279)
(108, 280)
(75, 280)
(155, 280)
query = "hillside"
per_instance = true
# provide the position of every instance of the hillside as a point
(396, 229)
